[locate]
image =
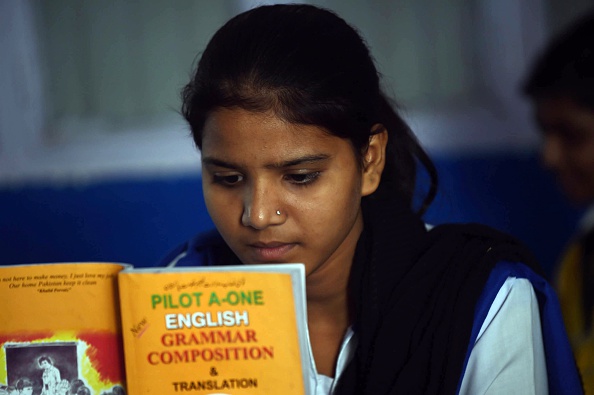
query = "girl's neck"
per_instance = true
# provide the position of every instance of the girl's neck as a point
(328, 307)
(327, 324)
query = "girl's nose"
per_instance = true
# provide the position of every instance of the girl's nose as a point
(261, 208)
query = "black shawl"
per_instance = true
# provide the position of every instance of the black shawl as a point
(413, 295)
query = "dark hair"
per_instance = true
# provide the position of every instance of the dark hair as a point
(308, 66)
(45, 358)
(118, 390)
(84, 390)
(23, 383)
(75, 385)
(566, 66)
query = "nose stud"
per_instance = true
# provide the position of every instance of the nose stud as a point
(278, 212)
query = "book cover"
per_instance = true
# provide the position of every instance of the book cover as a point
(215, 330)
(60, 329)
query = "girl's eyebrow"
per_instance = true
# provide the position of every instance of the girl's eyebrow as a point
(217, 162)
(308, 159)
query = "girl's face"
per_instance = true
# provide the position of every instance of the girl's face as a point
(568, 145)
(281, 193)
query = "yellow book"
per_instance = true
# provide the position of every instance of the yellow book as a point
(60, 328)
(215, 330)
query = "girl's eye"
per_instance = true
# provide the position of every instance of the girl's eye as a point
(227, 180)
(302, 179)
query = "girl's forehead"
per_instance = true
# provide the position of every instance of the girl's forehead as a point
(245, 128)
(240, 138)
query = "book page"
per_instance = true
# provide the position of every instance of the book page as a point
(214, 330)
(60, 327)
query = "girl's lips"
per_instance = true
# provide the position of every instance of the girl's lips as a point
(271, 252)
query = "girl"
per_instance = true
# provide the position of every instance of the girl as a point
(305, 160)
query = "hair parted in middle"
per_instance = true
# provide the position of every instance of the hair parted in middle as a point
(307, 66)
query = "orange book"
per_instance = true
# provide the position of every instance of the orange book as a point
(215, 330)
(60, 328)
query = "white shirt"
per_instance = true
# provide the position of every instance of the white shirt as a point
(507, 356)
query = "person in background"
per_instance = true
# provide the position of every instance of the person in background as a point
(63, 388)
(51, 375)
(561, 88)
(75, 385)
(305, 159)
(24, 386)
(84, 390)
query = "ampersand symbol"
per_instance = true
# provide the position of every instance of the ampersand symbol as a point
(213, 371)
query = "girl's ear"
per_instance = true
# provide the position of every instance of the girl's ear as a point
(374, 159)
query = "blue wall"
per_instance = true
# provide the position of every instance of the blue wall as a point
(510, 192)
(138, 221)
(134, 221)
